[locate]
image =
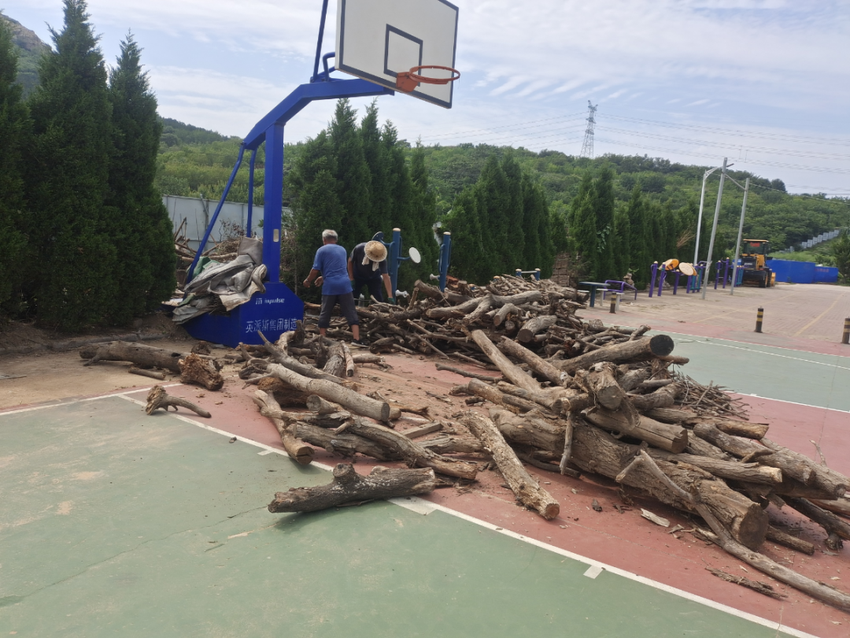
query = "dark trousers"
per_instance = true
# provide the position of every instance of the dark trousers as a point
(346, 307)
(374, 284)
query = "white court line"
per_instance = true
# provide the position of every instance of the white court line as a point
(715, 341)
(423, 507)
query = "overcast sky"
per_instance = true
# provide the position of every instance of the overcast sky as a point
(765, 83)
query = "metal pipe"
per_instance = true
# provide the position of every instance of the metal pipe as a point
(190, 273)
(249, 222)
(319, 41)
(714, 229)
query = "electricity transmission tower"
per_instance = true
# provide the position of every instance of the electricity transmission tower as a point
(587, 146)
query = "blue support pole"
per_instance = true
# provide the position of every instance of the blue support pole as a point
(445, 258)
(273, 200)
(654, 271)
(191, 273)
(394, 258)
(249, 222)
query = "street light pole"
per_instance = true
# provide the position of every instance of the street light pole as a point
(740, 233)
(701, 202)
(713, 229)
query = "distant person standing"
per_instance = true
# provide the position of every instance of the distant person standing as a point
(329, 271)
(367, 266)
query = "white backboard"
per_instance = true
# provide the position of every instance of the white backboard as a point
(377, 39)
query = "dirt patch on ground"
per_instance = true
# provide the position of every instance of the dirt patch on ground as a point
(39, 365)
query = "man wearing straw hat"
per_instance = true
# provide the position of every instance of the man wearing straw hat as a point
(329, 272)
(367, 266)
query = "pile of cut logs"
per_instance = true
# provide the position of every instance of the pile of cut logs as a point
(573, 396)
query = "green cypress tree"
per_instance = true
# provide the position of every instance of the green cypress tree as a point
(621, 243)
(376, 150)
(493, 197)
(583, 231)
(14, 128)
(422, 217)
(352, 176)
(640, 253)
(68, 180)
(516, 224)
(468, 258)
(604, 208)
(143, 230)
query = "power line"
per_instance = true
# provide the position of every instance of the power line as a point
(762, 149)
(744, 133)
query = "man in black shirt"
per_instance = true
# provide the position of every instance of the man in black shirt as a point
(367, 265)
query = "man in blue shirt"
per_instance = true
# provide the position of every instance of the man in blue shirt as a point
(330, 270)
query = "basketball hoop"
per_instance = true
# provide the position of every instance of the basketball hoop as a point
(408, 80)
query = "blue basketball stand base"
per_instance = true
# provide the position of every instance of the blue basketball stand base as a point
(272, 313)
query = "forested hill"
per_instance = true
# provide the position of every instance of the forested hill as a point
(194, 161)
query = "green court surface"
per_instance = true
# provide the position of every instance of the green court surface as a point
(777, 373)
(114, 523)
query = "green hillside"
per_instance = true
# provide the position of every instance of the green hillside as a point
(29, 49)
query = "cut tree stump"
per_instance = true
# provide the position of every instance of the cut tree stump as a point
(200, 371)
(349, 488)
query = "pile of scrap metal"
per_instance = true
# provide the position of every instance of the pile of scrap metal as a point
(219, 287)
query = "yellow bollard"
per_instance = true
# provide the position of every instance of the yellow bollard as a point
(613, 303)
(759, 319)
(846, 337)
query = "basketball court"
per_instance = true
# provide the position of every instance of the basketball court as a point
(115, 523)
(119, 523)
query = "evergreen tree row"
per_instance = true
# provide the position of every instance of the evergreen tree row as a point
(500, 224)
(84, 237)
(355, 178)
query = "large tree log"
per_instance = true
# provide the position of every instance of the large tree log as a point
(349, 488)
(283, 393)
(535, 362)
(825, 478)
(662, 397)
(140, 354)
(745, 448)
(666, 436)
(351, 400)
(488, 392)
(533, 326)
(596, 451)
(512, 372)
(829, 521)
(655, 345)
(601, 383)
(335, 364)
(734, 470)
(523, 485)
(505, 312)
(729, 426)
(342, 443)
(296, 449)
(411, 451)
(529, 430)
